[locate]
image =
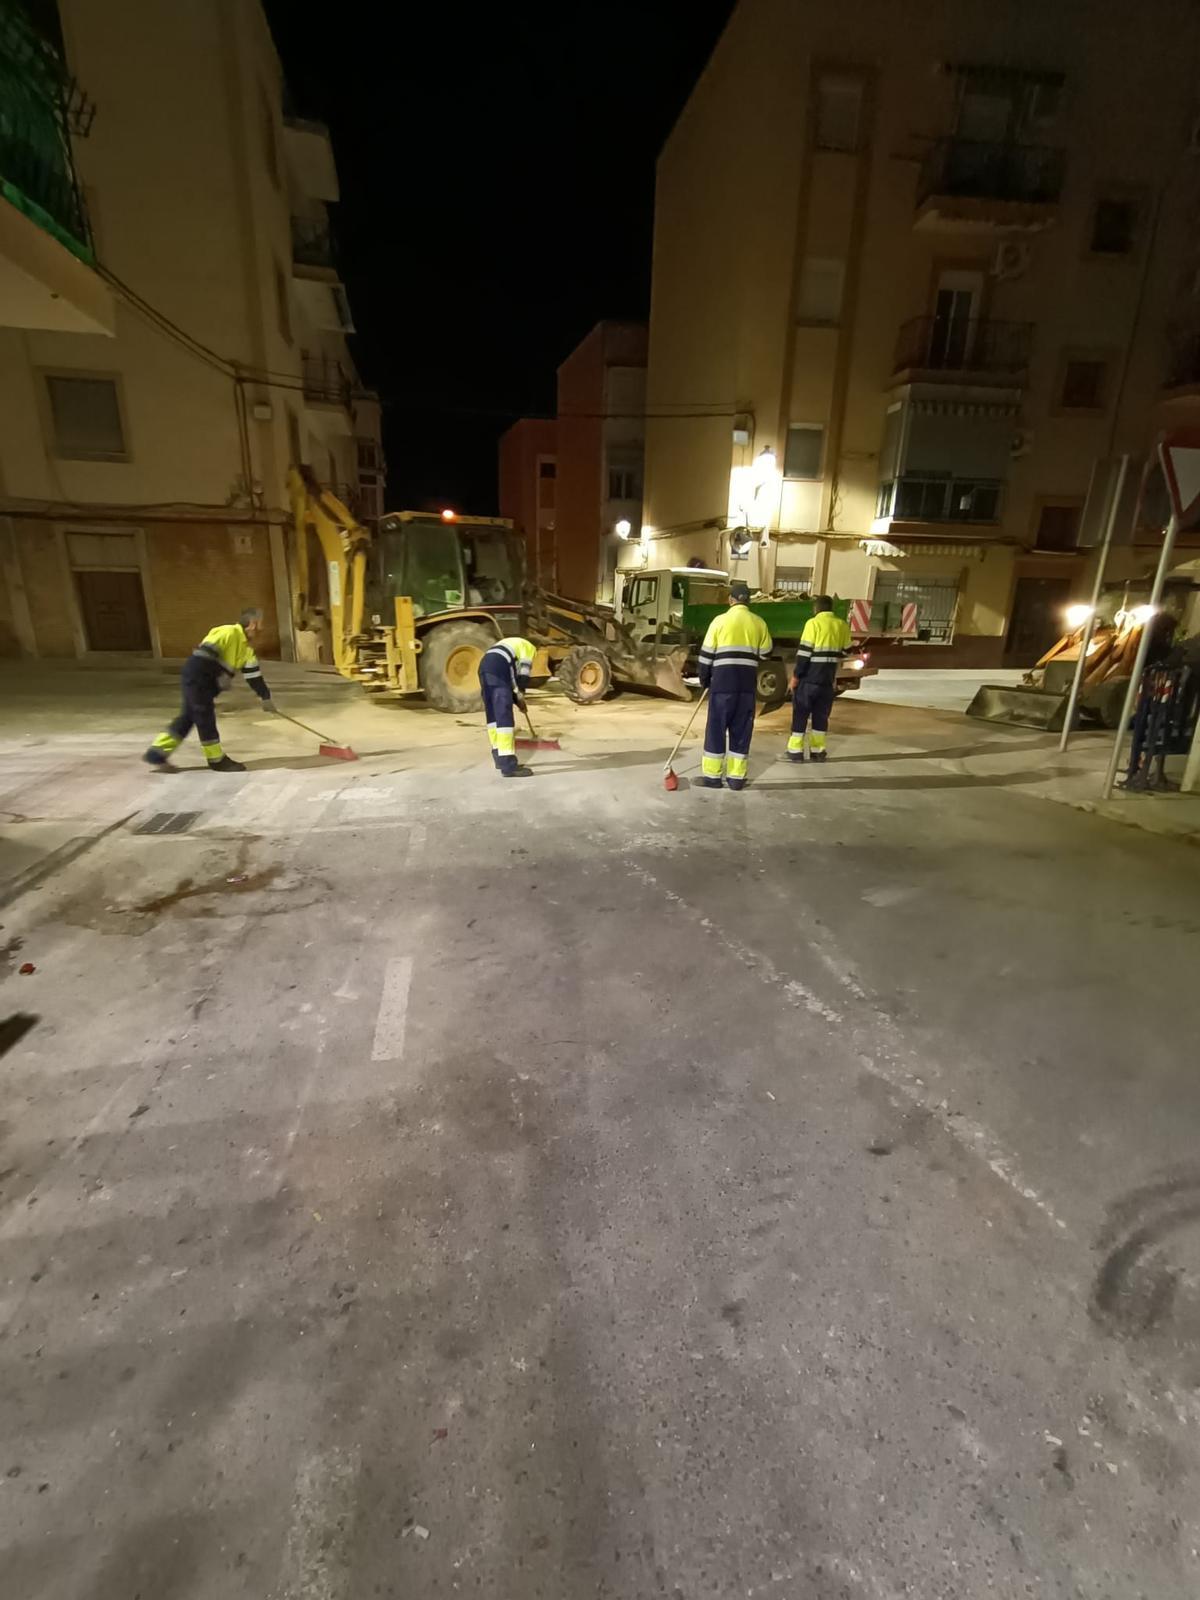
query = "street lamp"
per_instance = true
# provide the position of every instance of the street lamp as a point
(624, 528)
(1077, 615)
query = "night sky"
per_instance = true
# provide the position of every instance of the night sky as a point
(497, 178)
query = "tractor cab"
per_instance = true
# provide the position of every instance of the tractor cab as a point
(444, 564)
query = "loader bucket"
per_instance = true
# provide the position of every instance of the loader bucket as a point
(668, 676)
(1025, 708)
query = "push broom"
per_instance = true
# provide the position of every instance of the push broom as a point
(533, 742)
(339, 752)
(670, 781)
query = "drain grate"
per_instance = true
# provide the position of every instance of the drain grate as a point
(168, 822)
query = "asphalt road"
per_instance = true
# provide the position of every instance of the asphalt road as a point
(416, 1184)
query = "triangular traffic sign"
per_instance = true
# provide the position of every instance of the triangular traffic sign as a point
(1180, 456)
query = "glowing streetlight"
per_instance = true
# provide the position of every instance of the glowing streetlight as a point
(624, 528)
(448, 515)
(1077, 615)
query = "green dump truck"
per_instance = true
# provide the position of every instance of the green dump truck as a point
(673, 606)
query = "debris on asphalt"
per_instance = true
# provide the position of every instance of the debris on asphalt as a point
(26, 968)
(441, 1433)
(415, 1528)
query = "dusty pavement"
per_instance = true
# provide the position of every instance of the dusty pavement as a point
(417, 1184)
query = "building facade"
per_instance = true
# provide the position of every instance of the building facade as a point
(148, 416)
(601, 442)
(919, 276)
(529, 492)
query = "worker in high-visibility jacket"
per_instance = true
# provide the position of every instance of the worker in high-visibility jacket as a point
(823, 643)
(212, 666)
(503, 677)
(736, 642)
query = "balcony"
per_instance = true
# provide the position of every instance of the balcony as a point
(979, 186)
(975, 350)
(936, 497)
(47, 276)
(312, 245)
(326, 382)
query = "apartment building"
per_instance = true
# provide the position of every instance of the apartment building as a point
(173, 327)
(601, 443)
(529, 492)
(920, 274)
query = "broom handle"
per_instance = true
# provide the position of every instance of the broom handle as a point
(529, 720)
(295, 721)
(686, 730)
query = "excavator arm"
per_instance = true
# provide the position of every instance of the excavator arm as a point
(344, 544)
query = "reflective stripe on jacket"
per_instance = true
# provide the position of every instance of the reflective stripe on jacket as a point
(229, 647)
(734, 645)
(824, 642)
(513, 656)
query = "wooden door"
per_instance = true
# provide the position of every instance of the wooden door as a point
(113, 607)
(1037, 619)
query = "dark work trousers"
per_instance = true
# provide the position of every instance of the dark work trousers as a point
(730, 721)
(811, 702)
(498, 714)
(200, 682)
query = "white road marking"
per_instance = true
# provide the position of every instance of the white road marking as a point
(393, 1010)
(878, 1061)
(316, 1557)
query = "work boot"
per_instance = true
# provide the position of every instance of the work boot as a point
(226, 764)
(156, 760)
(818, 755)
(795, 755)
(711, 783)
(516, 772)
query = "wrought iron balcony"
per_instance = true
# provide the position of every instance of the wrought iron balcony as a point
(326, 382)
(956, 345)
(312, 244)
(43, 107)
(982, 169)
(935, 497)
(974, 185)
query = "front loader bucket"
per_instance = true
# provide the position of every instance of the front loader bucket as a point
(668, 677)
(1025, 708)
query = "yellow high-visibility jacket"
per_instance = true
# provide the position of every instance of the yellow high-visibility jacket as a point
(734, 645)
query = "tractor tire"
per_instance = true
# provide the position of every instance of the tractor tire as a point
(772, 686)
(449, 664)
(585, 674)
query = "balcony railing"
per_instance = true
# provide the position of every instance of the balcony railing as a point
(326, 381)
(976, 169)
(953, 344)
(931, 497)
(312, 244)
(43, 107)
(1183, 363)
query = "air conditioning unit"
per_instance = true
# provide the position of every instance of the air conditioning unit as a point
(1012, 258)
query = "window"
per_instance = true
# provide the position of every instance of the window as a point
(936, 600)
(805, 446)
(85, 417)
(1058, 527)
(839, 110)
(624, 483)
(1083, 385)
(793, 580)
(1114, 227)
(822, 281)
(547, 483)
(283, 305)
(270, 141)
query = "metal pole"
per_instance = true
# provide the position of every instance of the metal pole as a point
(1090, 625)
(1143, 649)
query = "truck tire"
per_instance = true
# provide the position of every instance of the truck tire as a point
(449, 664)
(585, 674)
(772, 685)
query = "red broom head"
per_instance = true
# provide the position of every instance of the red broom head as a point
(670, 781)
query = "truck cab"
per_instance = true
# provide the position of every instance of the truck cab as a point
(652, 603)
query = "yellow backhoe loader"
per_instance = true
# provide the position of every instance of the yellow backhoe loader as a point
(411, 607)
